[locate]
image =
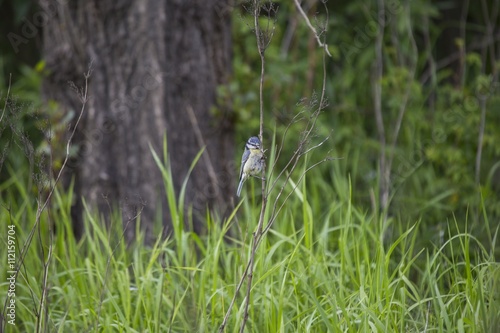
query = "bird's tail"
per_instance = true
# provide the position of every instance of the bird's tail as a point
(242, 180)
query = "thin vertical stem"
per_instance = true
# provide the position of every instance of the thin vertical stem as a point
(482, 103)
(258, 233)
(463, 25)
(377, 96)
(248, 273)
(484, 97)
(404, 104)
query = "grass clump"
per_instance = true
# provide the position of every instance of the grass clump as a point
(337, 269)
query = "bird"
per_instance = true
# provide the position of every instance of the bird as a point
(252, 161)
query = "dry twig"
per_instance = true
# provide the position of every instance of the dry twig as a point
(42, 206)
(263, 39)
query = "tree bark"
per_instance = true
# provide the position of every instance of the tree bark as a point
(156, 66)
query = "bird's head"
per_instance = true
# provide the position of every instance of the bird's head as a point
(253, 143)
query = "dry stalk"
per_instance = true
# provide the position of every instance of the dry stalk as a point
(41, 207)
(261, 46)
(321, 44)
(263, 39)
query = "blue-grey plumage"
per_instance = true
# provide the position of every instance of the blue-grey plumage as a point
(252, 161)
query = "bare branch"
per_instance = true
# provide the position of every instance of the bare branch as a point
(294, 120)
(301, 150)
(301, 177)
(377, 101)
(403, 106)
(238, 288)
(206, 157)
(42, 206)
(308, 22)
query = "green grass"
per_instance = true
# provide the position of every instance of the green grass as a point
(327, 265)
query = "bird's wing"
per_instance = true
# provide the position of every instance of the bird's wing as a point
(244, 158)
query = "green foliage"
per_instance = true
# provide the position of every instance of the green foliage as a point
(434, 159)
(32, 131)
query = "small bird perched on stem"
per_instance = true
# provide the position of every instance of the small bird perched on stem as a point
(252, 161)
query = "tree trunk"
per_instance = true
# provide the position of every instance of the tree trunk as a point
(156, 66)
